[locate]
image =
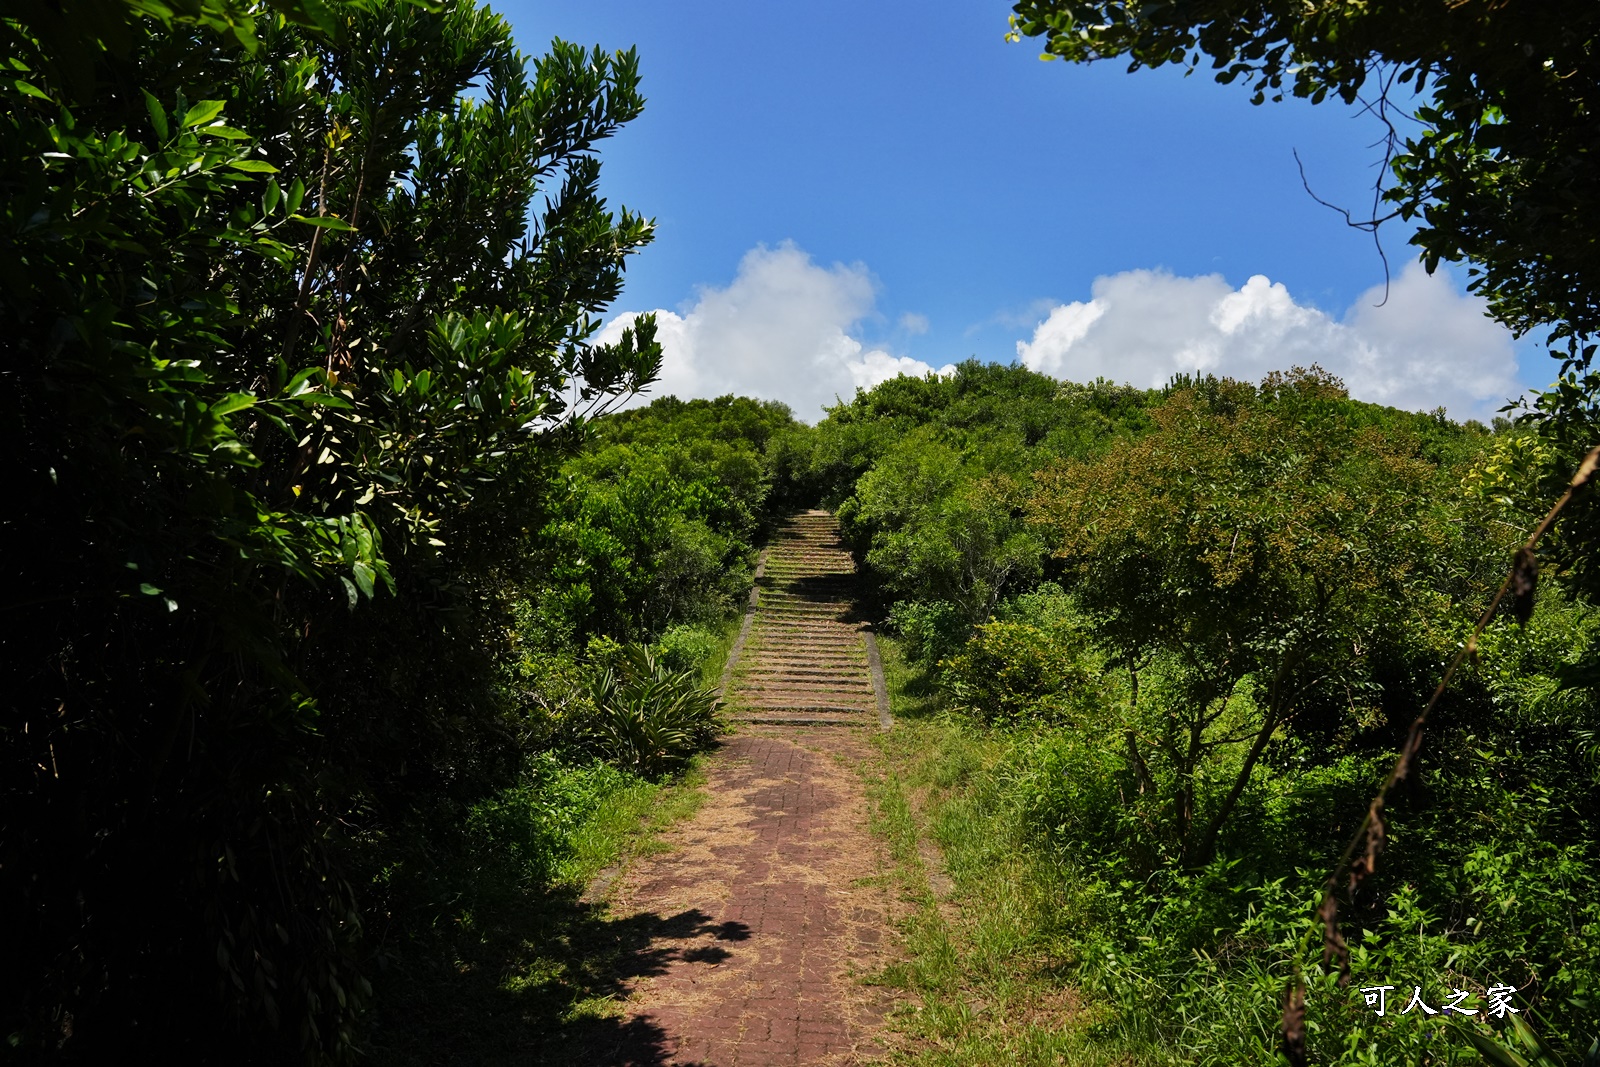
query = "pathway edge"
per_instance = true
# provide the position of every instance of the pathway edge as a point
(880, 689)
(744, 627)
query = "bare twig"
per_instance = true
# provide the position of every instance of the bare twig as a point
(1368, 225)
(1382, 109)
(297, 319)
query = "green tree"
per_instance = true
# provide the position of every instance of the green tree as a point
(283, 355)
(656, 519)
(928, 475)
(1500, 172)
(941, 530)
(1265, 548)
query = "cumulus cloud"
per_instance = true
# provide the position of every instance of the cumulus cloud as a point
(780, 331)
(1429, 345)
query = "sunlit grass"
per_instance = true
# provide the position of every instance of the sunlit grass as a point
(628, 823)
(987, 968)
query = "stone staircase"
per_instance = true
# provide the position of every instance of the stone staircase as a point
(803, 658)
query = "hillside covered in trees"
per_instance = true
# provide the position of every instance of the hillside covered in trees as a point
(1168, 643)
(356, 625)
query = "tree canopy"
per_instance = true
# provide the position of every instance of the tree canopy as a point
(1275, 539)
(288, 332)
(1501, 166)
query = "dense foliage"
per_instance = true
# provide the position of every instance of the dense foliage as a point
(929, 476)
(1489, 133)
(297, 317)
(655, 520)
(343, 605)
(1222, 605)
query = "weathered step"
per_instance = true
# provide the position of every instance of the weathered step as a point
(815, 651)
(806, 648)
(807, 614)
(791, 638)
(789, 694)
(841, 682)
(783, 698)
(805, 661)
(839, 633)
(806, 610)
(768, 677)
(796, 666)
(836, 567)
(792, 621)
(815, 707)
(802, 719)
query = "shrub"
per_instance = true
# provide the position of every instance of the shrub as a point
(519, 836)
(1011, 671)
(685, 648)
(648, 718)
(931, 629)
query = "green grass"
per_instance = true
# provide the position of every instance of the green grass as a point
(628, 823)
(912, 694)
(987, 969)
(537, 973)
(726, 633)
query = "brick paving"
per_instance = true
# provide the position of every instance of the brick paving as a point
(781, 874)
(771, 903)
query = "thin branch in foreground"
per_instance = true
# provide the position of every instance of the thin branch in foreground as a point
(1366, 225)
(1360, 857)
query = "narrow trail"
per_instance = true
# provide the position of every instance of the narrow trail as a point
(776, 887)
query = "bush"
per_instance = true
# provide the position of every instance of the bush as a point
(1011, 671)
(931, 630)
(646, 717)
(685, 648)
(519, 837)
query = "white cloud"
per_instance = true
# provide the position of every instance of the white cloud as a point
(1428, 345)
(913, 323)
(779, 331)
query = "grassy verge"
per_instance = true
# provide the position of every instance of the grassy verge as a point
(530, 973)
(725, 635)
(986, 947)
(628, 823)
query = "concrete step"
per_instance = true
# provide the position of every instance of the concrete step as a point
(803, 719)
(814, 706)
(795, 671)
(805, 661)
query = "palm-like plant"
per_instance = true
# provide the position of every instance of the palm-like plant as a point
(647, 718)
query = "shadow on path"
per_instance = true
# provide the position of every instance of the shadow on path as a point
(534, 981)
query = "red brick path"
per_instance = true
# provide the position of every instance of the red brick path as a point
(773, 868)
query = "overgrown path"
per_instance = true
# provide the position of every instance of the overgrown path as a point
(776, 886)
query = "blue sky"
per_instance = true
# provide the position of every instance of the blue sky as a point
(844, 190)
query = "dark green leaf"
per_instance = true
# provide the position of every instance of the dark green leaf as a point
(326, 222)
